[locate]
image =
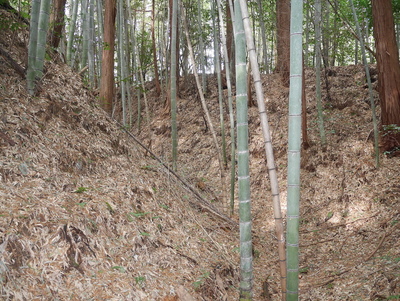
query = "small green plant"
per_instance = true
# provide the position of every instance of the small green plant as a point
(329, 216)
(139, 214)
(140, 280)
(164, 206)
(390, 258)
(200, 281)
(256, 253)
(304, 270)
(81, 189)
(109, 208)
(144, 234)
(390, 129)
(119, 268)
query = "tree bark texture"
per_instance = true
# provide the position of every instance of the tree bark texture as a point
(107, 67)
(153, 38)
(283, 40)
(387, 56)
(56, 22)
(229, 40)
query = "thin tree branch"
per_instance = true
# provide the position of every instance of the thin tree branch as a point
(346, 23)
(203, 203)
(19, 69)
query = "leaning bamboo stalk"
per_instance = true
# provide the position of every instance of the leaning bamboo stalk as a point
(268, 146)
(204, 105)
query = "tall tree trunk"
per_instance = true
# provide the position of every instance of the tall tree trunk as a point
(167, 106)
(368, 75)
(121, 57)
(32, 48)
(91, 45)
(326, 35)
(201, 47)
(294, 151)
(229, 40)
(272, 172)
(263, 37)
(217, 70)
(387, 56)
(335, 40)
(283, 39)
(317, 22)
(246, 245)
(85, 33)
(100, 31)
(153, 38)
(230, 102)
(71, 32)
(307, 33)
(173, 92)
(304, 133)
(56, 22)
(204, 105)
(107, 67)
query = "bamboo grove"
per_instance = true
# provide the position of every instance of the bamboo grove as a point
(119, 45)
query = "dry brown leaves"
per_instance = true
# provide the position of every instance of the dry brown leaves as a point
(84, 215)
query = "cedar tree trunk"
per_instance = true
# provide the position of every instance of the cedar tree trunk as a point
(283, 40)
(107, 66)
(387, 56)
(56, 22)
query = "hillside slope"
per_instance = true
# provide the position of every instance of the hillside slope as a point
(350, 212)
(84, 214)
(87, 214)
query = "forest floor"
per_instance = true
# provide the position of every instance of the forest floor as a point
(86, 213)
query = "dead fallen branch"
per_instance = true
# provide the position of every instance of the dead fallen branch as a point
(201, 201)
(386, 234)
(20, 70)
(339, 225)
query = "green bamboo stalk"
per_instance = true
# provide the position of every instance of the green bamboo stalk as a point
(268, 146)
(318, 72)
(140, 70)
(246, 257)
(85, 33)
(201, 47)
(204, 106)
(42, 36)
(100, 33)
(371, 96)
(294, 147)
(134, 66)
(230, 105)
(217, 67)
(71, 32)
(174, 131)
(32, 48)
(263, 36)
(91, 57)
(128, 68)
(121, 60)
